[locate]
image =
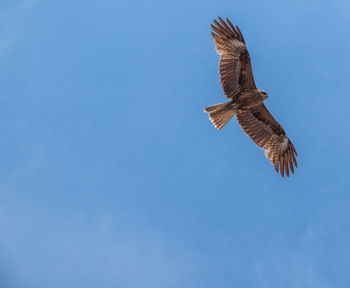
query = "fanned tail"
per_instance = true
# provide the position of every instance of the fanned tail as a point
(220, 114)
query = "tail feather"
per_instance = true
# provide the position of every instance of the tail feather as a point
(220, 114)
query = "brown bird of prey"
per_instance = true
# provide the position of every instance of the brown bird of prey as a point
(246, 101)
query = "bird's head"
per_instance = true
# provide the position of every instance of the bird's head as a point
(264, 94)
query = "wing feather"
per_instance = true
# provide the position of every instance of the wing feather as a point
(286, 163)
(268, 134)
(235, 67)
(282, 166)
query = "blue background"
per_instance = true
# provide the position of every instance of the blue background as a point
(111, 175)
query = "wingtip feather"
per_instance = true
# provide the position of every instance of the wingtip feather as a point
(282, 166)
(286, 163)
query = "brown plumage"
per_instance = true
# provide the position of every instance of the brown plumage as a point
(246, 101)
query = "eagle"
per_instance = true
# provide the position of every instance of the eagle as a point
(246, 101)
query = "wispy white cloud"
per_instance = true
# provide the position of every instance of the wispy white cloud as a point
(5, 44)
(12, 22)
(27, 4)
(125, 254)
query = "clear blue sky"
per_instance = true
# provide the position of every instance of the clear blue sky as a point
(111, 175)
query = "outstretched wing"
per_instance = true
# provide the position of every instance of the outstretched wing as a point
(268, 134)
(234, 66)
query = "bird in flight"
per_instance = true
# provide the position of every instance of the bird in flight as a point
(246, 101)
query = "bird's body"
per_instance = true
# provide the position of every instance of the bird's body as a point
(246, 101)
(249, 99)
